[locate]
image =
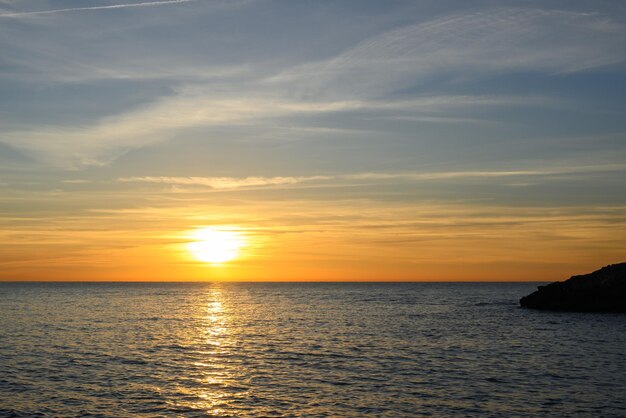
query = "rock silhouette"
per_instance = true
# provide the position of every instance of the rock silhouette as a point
(603, 290)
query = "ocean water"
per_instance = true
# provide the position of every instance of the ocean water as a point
(150, 350)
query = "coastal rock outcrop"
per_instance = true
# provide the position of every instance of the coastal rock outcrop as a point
(603, 290)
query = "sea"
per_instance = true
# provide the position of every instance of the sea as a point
(303, 349)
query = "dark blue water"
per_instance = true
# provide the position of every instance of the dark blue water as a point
(302, 350)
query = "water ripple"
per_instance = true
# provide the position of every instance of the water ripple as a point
(146, 350)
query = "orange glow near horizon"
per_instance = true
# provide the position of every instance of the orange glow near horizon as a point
(304, 240)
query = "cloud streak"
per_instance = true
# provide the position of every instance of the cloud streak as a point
(230, 183)
(103, 141)
(363, 78)
(109, 7)
(446, 175)
(474, 44)
(222, 182)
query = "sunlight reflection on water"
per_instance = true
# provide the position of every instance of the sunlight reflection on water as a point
(298, 349)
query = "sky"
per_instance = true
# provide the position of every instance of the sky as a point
(332, 140)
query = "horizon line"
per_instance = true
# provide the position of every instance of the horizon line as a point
(276, 281)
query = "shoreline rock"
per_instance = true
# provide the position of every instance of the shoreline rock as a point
(604, 290)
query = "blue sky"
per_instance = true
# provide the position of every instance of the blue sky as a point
(487, 106)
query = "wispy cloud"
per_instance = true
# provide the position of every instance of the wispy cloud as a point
(202, 94)
(464, 45)
(89, 8)
(260, 181)
(76, 181)
(101, 142)
(223, 182)
(444, 175)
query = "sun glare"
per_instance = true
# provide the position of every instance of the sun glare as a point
(214, 245)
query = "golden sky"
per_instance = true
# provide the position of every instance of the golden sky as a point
(146, 235)
(350, 140)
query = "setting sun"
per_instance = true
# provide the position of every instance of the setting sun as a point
(214, 245)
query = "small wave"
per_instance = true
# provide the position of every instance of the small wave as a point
(497, 303)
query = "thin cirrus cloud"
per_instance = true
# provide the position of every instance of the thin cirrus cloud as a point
(89, 8)
(473, 44)
(221, 182)
(260, 181)
(104, 140)
(361, 78)
(444, 175)
(98, 144)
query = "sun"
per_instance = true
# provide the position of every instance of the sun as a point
(215, 245)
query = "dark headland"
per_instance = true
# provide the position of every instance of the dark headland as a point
(603, 290)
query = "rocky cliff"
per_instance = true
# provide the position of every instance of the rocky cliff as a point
(603, 290)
